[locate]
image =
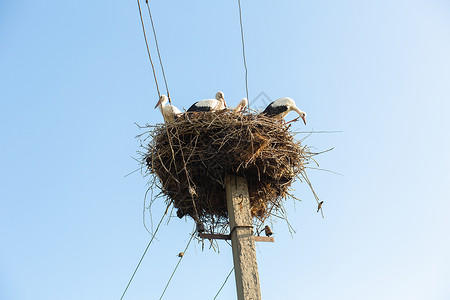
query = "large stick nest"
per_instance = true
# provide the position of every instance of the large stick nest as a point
(192, 155)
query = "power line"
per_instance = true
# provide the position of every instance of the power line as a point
(159, 94)
(148, 50)
(243, 51)
(168, 95)
(142, 257)
(157, 49)
(176, 267)
(226, 279)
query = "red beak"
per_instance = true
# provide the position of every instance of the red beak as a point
(159, 102)
(304, 119)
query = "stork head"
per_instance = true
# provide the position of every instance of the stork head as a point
(242, 104)
(162, 100)
(220, 96)
(301, 113)
(303, 116)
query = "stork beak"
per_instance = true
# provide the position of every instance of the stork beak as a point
(159, 102)
(304, 119)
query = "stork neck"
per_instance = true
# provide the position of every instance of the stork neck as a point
(297, 110)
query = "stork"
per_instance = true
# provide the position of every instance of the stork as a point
(209, 104)
(281, 107)
(241, 105)
(168, 111)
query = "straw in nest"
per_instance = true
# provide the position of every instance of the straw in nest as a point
(192, 155)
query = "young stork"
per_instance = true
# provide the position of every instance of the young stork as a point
(241, 105)
(209, 104)
(281, 107)
(168, 111)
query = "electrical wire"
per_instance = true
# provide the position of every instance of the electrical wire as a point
(168, 96)
(243, 51)
(148, 49)
(159, 95)
(176, 267)
(157, 49)
(142, 257)
(226, 279)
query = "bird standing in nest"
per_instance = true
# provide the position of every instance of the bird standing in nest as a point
(241, 105)
(169, 112)
(209, 104)
(281, 107)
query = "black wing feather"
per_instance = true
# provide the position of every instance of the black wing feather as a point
(195, 108)
(272, 111)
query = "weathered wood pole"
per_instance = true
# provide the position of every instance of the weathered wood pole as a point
(242, 241)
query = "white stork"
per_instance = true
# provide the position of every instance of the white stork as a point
(209, 104)
(168, 111)
(241, 105)
(281, 107)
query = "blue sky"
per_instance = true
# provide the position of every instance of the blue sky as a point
(75, 78)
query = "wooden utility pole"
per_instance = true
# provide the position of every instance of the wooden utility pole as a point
(242, 240)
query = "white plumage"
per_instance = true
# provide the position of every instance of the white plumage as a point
(241, 105)
(209, 104)
(281, 107)
(168, 111)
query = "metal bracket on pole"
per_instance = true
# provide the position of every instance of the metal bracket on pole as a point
(214, 236)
